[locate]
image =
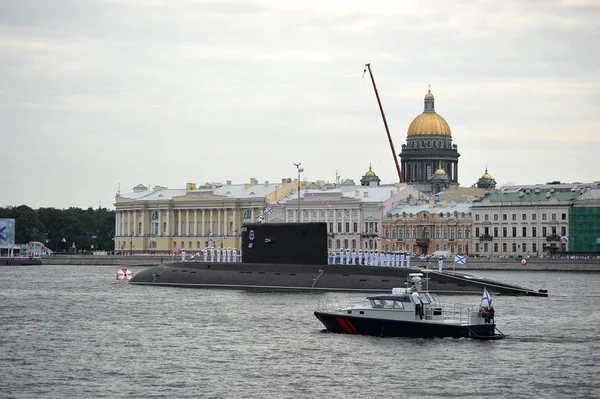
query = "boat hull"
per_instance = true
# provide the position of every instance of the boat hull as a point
(339, 323)
(345, 278)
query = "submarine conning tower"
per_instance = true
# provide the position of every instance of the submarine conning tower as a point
(285, 243)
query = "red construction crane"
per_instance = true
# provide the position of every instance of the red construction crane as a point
(368, 66)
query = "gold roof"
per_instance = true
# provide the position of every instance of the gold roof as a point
(429, 123)
(370, 172)
(486, 175)
(429, 95)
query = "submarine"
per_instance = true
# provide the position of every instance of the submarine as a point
(293, 257)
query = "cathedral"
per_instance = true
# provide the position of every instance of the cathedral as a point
(429, 160)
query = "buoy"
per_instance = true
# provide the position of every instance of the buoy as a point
(523, 261)
(124, 274)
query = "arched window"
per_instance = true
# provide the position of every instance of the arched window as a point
(353, 244)
(337, 244)
(459, 248)
(330, 243)
(394, 233)
(345, 244)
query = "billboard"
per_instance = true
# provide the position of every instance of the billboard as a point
(7, 233)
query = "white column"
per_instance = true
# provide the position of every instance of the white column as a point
(203, 223)
(210, 229)
(117, 217)
(160, 232)
(178, 222)
(168, 217)
(128, 222)
(187, 222)
(219, 221)
(143, 233)
(252, 214)
(234, 218)
(195, 222)
(134, 222)
(225, 229)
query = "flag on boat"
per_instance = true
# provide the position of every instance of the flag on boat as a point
(564, 239)
(268, 211)
(300, 169)
(486, 299)
(461, 260)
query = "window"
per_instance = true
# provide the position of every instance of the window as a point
(346, 244)
(387, 233)
(495, 233)
(504, 247)
(495, 216)
(459, 234)
(504, 217)
(554, 216)
(563, 231)
(544, 231)
(331, 227)
(356, 227)
(534, 217)
(476, 231)
(514, 216)
(534, 231)
(524, 216)
(400, 234)
(514, 247)
(339, 227)
(452, 234)
(476, 217)
(524, 245)
(437, 234)
(534, 247)
(524, 231)
(445, 234)
(330, 243)
(347, 227)
(407, 233)
(514, 231)
(394, 233)
(338, 244)
(486, 217)
(495, 247)
(485, 247)
(563, 216)
(553, 230)
(504, 232)
(543, 216)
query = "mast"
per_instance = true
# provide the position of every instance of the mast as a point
(368, 66)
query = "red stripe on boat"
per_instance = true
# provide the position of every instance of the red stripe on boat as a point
(342, 323)
(351, 326)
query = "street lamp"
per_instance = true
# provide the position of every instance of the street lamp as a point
(300, 169)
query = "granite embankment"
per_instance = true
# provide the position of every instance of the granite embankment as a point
(544, 264)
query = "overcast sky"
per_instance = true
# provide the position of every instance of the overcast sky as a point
(98, 94)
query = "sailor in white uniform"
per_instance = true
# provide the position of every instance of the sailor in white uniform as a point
(205, 253)
(402, 259)
(218, 255)
(360, 256)
(228, 254)
(341, 256)
(347, 256)
(440, 264)
(212, 254)
(183, 255)
(408, 259)
(234, 254)
(353, 257)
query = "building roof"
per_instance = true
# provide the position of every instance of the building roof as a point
(438, 208)
(526, 196)
(429, 122)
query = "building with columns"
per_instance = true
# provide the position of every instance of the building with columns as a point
(426, 227)
(154, 220)
(353, 214)
(524, 220)
(428, 149)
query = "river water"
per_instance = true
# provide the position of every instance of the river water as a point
(73, 331)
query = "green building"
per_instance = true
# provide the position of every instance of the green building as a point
(584, 220)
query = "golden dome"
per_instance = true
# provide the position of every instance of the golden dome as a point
(486, 175)
(429, 95)
(429, 123)
(370, 172)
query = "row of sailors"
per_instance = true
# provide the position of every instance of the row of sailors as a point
(369, 258)
(211, 254)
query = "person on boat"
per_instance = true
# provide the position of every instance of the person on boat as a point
(212, 254)
(440, 264)
(418, 303)
(228, 254)
(341, 256)
(354, 256)
(347, 256)
(234, 254)
(183, 255)
(360, 256)
(205, 253)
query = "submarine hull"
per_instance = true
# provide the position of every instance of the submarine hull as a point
(310, 277)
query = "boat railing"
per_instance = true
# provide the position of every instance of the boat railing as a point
(328, 305)
(462, 312)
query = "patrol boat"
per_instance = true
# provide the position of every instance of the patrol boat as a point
(395, 316)
(293, 257)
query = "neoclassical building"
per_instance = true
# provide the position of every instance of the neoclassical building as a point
(154, 220)
(353, 214)
(429, 227)
(524, 220)
(429, 148)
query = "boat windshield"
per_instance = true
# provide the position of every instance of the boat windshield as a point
(386, 304)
